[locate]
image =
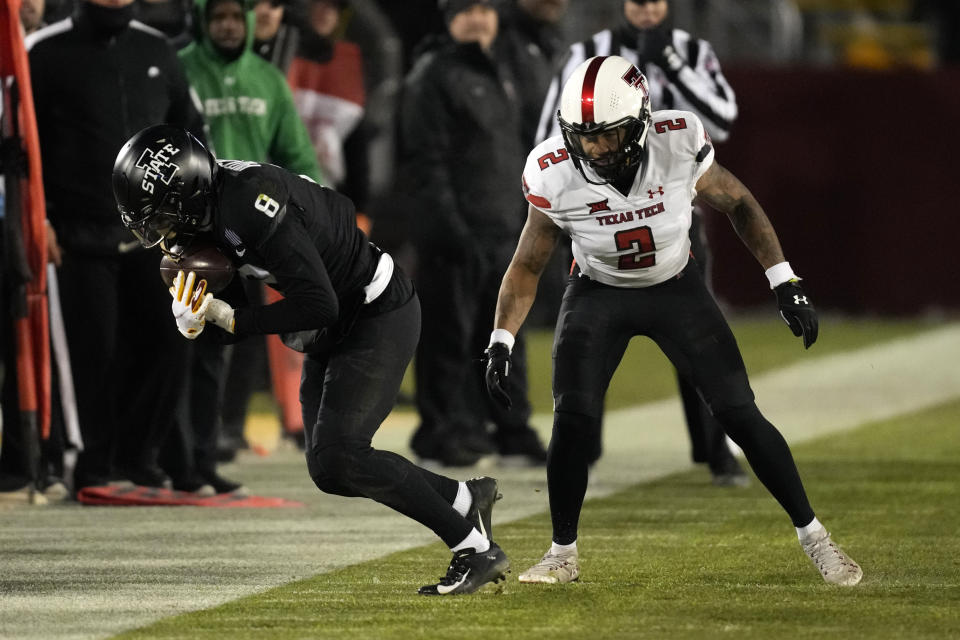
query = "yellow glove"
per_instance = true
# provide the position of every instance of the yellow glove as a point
(190, 304)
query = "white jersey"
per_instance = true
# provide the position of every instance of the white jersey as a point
(637, 240)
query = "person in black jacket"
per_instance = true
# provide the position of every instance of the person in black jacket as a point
(99, 77)
(461, 154)
(346, 306)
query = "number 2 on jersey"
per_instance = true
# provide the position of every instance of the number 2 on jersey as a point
(641, 239)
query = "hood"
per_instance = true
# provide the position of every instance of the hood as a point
(201, 35)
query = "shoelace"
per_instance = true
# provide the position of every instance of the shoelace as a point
(551, 561)
(456, 569)
(827, 555)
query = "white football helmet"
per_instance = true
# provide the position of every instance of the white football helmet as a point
(605, 115)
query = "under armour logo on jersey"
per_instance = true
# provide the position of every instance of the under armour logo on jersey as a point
(654, 193)
(599, 206)
(157, 164)
(800, 300)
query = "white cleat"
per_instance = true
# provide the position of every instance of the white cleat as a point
(553, 569)
(834, 565)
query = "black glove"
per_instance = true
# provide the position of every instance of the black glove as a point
(497, 376)
(656, 45)
(797, 311)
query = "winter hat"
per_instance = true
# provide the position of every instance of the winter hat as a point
(451, 8)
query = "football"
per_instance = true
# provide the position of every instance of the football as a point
(204, 259)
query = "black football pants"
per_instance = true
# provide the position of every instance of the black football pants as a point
(708, 442)
(459, 298)
(594, 326)
(346, 395)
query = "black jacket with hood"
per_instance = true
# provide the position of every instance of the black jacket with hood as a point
(94, 86)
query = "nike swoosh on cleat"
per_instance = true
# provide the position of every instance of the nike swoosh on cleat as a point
(444, 590)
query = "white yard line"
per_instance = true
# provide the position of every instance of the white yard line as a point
(74, 572)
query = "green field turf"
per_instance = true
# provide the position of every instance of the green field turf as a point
(765, 341)
(676, 559)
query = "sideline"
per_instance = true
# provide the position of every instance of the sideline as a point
(74, 572)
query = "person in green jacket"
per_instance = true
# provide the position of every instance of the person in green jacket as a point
(245, 100)
(250, 113)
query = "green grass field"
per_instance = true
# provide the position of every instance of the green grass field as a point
(677, 559)
(669, 558)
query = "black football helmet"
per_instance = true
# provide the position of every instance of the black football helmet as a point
(163, 181)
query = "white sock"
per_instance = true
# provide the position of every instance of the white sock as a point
(475, 541)
(461, 504)
(563, 549)
(813, 527)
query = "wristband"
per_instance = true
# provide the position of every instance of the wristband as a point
(780, 273)
(504, 336)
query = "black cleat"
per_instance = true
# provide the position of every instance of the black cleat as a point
(468, 571)
(484, 493)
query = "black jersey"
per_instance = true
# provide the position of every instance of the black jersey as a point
(298, 237)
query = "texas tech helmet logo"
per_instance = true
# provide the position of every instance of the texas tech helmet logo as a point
(635, 79)
(157, 165)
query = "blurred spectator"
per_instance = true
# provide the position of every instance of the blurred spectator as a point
(276, 33)
(414, 22)
(683, 73)
(31, 15)
(531, 43)
(462, 157)
(328, 87)
(95, 79)
(16, 455)
(172, 17)
(56, 10)
(366, 24)
(251, 115)
(531, 46)
(246, 101)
